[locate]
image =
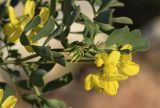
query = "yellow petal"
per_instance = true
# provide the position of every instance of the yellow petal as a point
(29, 8)
(1, 94)
(12, 15)
(129, 68)
(8, 29)
(98, 61)
(114, 76)
(10, 102)
(110, 87)
(15, 37)
(44, 14)
(112, 58)
(127, 46)
(110, 68)
(91, 81)
(126, 57)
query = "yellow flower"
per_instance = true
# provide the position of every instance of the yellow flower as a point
(15, 27)
(96, 80)
(10, 102)
(116, 66)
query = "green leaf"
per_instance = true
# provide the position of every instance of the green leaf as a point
(46, 66)
(90, 30)
(46, 30)
(106, 28)
(104, 17)
(107, 4)
(55, 84)
(58, 58)
(67, 8)
(124, 36)
(33, 23)
(25, 84)
(53, 103)
(7, 90)
(56, 33)
(30, 98)
(122, 20)
(74, 15)
(36, 77)
(43, 51)
(24, 40)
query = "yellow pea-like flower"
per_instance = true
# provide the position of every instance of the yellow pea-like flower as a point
(10, 102)
(116, 66)
(15, 27)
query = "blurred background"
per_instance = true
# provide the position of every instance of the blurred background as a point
(141, 91)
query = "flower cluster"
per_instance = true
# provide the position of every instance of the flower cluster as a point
(10, 102)
(15, 27)
(117, 65)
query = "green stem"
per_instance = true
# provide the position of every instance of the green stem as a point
(28, 58)
(8, 2)
(38, 93)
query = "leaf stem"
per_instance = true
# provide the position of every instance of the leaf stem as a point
(38, 93)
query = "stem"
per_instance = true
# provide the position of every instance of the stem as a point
(94, 10)
(8, 2)
(28, 58)
(38, 93)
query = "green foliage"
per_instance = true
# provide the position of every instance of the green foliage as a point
(125, 36)
(36, 77)
(55, 84)
(53, 103)
(24, 84)
(46, 30)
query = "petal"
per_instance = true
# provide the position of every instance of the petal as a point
(110, 68)
(92, 80)
(87, 83)
(12, 15)
(1, 94)
(29, 8)
(10, 102)
(116, 76)
(44, 15)
(15, 36)
(129, 68)
(113, 58)
(111, 87)
(126, 57)
(99, 62)
(29, 49)
(127, 46)
(9, 29)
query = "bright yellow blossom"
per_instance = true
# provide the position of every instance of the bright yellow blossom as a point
(10, 102)
(116, 66)
(96, 80)
(15, 27)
